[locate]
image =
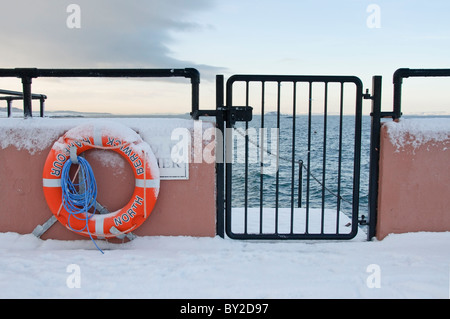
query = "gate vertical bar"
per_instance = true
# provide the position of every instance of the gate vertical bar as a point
(374, 155)
(261, 178)
(228, 156)
(220, 226)
(277, 174)
(357, 156)
(246, 163)
(341, 114)
(294, 115)
(324, 156)
(308, 157)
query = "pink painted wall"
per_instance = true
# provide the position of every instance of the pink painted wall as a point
(414, 185)
(183, 208)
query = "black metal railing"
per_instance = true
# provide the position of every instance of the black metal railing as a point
(15, 95)
(403, 73)
(27, 74)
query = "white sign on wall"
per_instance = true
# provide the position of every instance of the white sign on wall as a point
(177, 143)
(168, 169)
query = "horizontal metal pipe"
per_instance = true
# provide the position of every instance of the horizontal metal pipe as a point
(191, 73)
(402, 73)
(26, 74)
(20, 95)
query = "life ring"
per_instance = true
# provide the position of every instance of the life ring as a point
(117, 138)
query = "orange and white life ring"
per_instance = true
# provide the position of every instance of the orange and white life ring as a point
(117, 138)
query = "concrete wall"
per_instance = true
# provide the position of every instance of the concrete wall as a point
(414, 182)
(184, 207)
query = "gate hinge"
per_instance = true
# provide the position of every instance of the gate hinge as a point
(367, 96)
(363, 221)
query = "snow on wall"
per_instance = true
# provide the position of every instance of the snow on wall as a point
(419, 131)
(33, 135)
(37, 134)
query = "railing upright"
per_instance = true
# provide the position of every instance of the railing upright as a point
(15, 95)
(374, 155)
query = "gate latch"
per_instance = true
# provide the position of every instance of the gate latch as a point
(239, 114)
(231, 114)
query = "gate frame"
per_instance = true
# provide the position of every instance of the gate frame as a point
(225, 113)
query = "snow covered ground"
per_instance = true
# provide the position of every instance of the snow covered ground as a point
(413, 265)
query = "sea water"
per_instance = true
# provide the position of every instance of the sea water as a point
(319, 142)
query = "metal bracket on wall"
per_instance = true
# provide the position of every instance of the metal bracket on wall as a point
(41, 229)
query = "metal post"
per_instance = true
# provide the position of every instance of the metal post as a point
(195, 95)
(27, 101)
(9, 107)
(374, 155)
(194, 75)
(398, 80)
(228, 142)
(42, 109)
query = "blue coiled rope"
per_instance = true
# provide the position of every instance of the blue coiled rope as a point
(78, 202)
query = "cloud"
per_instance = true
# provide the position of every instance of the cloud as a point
(113, 33)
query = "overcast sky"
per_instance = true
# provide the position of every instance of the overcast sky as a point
(346, 37)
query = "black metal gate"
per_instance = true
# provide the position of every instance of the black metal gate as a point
(292, 170)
